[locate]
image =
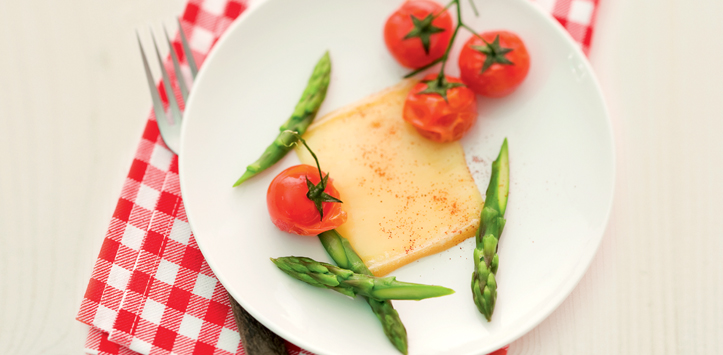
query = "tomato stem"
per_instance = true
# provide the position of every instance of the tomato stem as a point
(474, 8)
(316, 192)
(444, 9)
(472, 31)
(296, 134)
(417, 71)
(440, 77)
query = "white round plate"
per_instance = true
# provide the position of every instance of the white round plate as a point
(561, 167)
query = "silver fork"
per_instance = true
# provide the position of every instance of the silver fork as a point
(256, 338)
(170, 131)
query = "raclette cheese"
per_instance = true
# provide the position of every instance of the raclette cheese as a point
(406, 197)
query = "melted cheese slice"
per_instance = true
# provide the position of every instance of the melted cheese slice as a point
(406, 197)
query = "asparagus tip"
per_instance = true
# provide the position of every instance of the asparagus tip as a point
(446, 292)
(247, 174)
(410, 291)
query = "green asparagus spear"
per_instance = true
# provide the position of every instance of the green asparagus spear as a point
(486, 261)
(351, 284)
(303, 115)
(344, 256)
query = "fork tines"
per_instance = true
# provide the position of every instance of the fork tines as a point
(170, 129)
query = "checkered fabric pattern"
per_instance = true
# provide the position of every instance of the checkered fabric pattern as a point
(151, 291)
(576, 16)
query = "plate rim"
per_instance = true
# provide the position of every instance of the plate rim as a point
(567, 287)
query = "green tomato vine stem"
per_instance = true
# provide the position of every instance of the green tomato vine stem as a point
(316, 192)
(443, 58)
(440, 76)
(299, 139)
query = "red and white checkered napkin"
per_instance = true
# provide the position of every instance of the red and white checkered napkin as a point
(151, 291)
(577, 16)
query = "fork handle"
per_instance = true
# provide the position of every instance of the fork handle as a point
(256, 338)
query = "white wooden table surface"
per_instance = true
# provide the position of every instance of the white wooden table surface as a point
(73, 103)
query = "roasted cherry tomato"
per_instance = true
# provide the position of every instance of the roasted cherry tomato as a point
(495, 68)
(290, 209)
(434, 117)
(413, 34)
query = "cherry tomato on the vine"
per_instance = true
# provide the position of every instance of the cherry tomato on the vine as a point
(290, 209)
(413, 34)
(495, 68)
(434, 117)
